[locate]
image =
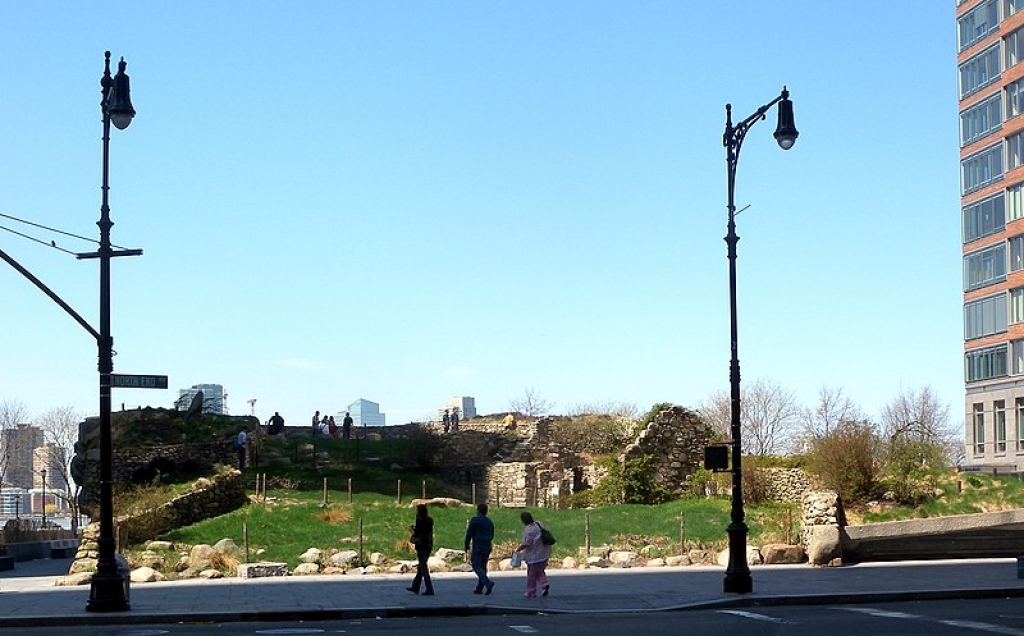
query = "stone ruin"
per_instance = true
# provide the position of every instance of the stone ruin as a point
(522, 466)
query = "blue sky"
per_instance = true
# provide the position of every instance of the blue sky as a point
(408, 201)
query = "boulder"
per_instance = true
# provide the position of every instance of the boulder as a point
(345, 558)
(228, 547)
(146, 575)
(306, 568)
(781, 553)
(437, 564)
(159, 545)
(753, 557)
(81, 578)
(376, 558)
(824, 545)
(448, 555)
(211, 574)
(201, 552)
(312, 555)
(677, 560)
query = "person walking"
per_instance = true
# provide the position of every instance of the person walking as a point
(480, 532)
(536, 555)
(422, 538)
(346, 426)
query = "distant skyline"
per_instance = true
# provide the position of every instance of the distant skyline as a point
(410, 201)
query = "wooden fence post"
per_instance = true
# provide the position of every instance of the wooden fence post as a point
(399, 492)
(586, 533)
(350, 490)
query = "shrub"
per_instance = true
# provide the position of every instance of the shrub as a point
(594, 434)
(632, 482)
(757, 483)
(846, 460)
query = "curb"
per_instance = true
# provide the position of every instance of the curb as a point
(490, 610)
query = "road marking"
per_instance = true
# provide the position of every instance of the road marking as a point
(984, 627)
(753, 616)
(524, 629)
(871, 611)
(291, 630)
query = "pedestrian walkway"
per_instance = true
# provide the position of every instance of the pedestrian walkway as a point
(29, 598)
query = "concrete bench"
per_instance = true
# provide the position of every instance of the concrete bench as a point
(63, 548)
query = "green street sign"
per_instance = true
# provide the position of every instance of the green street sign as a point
(125, 381)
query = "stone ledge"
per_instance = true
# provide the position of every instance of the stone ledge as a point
(261, 570)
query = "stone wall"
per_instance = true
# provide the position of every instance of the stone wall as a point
(208, 498)
(787, 485)
(143, 465)
(675, 440)
(819, 508)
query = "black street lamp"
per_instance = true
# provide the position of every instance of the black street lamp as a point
(42, 473)
(109, 589)
(737, 574)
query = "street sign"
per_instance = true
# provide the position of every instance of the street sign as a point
(125, 381)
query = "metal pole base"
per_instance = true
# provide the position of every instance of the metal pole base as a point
(738, 583)
(108, 594)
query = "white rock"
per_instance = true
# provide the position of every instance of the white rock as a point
(306, 568)
(312, 555)
(146, 575)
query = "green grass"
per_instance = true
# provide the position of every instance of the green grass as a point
(962, 493)
(291, 522)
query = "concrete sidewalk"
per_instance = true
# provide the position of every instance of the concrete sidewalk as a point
(29, 598)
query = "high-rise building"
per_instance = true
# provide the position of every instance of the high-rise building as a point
(466, 406)
(213, 398)
(365, 413)
(18, 445)
(990, 45)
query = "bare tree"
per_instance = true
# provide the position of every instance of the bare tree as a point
(833, 408)
(917, 415)
(60, 428)
(768, 417)
(12, 413)
(530, 403)
(609, 407)
(917, 437)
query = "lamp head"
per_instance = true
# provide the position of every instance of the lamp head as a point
(119, 101)
(786, 132)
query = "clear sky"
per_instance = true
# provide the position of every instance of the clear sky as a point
(409, 201)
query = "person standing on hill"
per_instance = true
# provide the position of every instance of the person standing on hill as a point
(276, 424)
(316, 422)
(480, 532)
(446, 420)
(455, 419)
(346, 427)
(422, 537)
(240, 445)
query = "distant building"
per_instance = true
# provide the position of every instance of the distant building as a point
(18, 445)
(213, 398)
(14, 502)
(466, 406)
(364, 413)
(52, 459)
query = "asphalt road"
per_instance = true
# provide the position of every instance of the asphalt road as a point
(931, 618)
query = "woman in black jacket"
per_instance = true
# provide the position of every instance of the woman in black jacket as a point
(423, 538)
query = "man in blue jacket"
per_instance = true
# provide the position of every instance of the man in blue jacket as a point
(480, 532)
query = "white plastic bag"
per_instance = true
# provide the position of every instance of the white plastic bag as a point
(517, 559)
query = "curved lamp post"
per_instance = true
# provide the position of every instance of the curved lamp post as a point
(109, 591)
(737, 574)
